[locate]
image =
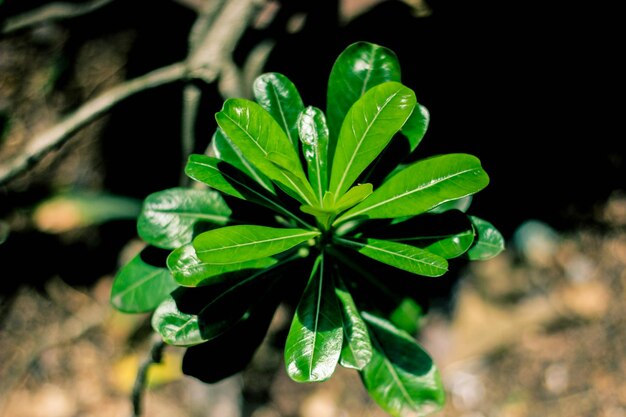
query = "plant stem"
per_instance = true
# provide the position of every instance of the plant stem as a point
(155, 356)
(51, 12)
(206, 62)
(191, 102)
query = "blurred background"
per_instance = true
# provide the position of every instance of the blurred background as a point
(529, 88)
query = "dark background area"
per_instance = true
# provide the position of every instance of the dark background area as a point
(528, 88)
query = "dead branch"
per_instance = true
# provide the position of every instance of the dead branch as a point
(215, 50)
(154, 356)
(211, 57)
(51, 12)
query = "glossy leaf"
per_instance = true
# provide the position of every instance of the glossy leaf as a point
(280, 97)
(231, 306)
(175, 327)
(400, 377)
(448, 246)
(356, 351)
(226, 178)
(190, 271)
(448, 235)
(225, 150)
(314, 341)
(246, 242)
(461, 204)
(192, 316)
(256, 133)
(489, 241)
(140, 287)
(422, 186)
(292, 172)
(353, 197)
(360, 67)
(169, 218)
(314, 137)
(230, 352)
(323, 216)
(367, 129)
(405, 257)
(415, 127)
(407, 315)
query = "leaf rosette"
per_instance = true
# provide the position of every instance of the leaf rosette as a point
(317, 207)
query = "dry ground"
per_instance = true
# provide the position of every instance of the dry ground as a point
(538, 331)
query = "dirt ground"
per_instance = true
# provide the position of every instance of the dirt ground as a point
(537, 331)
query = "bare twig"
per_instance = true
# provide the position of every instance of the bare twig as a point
(195, 5)
(207, 61)
(230, 83)
(58, 134)
(191, 93)
(155, 356)
(255, 62)
(191, 102)
(203, 23)
(51, 12)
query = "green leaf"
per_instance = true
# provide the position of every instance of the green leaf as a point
(225, 150)
(175, 327)
(489, 241)
(356, 351)
(407, 315)
(190, 271)
(406, 257)
(461, 204)
(256, 133)
(292, 171)
(140, 287)
(360, 67)
(228, 179)
(415, 127)
(449, 246)
(422, 186)
(314, 137)
(314, 341)
(242, 243)
(230, 352)
(401, 377)
(169, 218)
(193, 316)
(354, 196)
(448, 235)
(329, 199)
(236, 302)
(367, 129)
(280, 97)
(323, 216)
